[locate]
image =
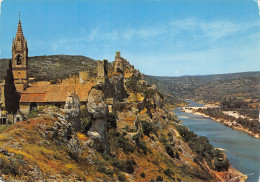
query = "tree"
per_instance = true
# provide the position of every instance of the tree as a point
(12, 97)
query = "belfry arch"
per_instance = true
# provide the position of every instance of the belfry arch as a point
(18, 59)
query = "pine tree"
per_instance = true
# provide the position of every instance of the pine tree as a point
(12, 97)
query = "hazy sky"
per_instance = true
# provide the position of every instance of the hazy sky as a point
(167, 38)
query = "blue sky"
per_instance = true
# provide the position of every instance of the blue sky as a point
(166, 38)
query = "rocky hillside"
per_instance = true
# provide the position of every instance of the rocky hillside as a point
(212, 87)
(138, 141)
(54, 67)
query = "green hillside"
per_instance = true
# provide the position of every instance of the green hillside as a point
(210, 87)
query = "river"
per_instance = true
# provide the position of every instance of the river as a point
(243, 150)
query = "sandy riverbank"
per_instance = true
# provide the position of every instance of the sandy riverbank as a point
(224, 122)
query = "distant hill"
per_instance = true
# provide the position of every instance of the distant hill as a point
(210, 78)
(210, 87)
(53, 67)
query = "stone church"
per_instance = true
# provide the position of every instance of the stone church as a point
(35, 95)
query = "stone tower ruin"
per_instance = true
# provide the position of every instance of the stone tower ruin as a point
(102, 71)
(20, 60)
(119, 64)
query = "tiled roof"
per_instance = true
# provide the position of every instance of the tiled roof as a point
(55, 92)
(28, 97)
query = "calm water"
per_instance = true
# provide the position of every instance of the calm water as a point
(243, 150)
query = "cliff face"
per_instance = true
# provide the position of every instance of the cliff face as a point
(138, 140)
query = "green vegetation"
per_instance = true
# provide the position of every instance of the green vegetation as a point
(210, 87)
(141, 145)
(34, 113)
(12, 97)
(149, 127)
(252, 125)
(85, 120)
(119, 165)
(111, 122)
(204, 150)
(4, 127)
(10, 166)
(117, 140)
(134, 85)
(234, 104)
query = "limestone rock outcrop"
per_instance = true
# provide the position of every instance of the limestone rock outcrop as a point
(98, 111)
(154, 98)
(62, 132)
(72, 110)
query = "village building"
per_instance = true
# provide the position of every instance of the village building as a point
(42, 94)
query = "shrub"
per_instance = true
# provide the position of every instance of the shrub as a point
(221, 165)
(140, 143)
(118, 140)
(111, 122)
(142, 175)
(177, 155)
(85, 120)
(159, 178)
(134, 85)
(168, 172)
(9, 166)
(147, 127)
(163, 139)
(103, 169)
(34, 113)
(169, 150)
(198, 159)
(121, 177)
(125, 166)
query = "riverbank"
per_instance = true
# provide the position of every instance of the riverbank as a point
(227, 123)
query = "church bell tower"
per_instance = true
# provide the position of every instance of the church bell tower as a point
(20, 60)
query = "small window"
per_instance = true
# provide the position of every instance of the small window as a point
(18, 72)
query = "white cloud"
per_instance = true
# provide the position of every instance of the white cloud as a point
(0, 5)
(193, 29)
(258, 2)
(212, 30)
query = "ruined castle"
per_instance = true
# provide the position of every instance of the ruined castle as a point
(38, 94)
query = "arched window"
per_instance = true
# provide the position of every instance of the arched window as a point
(33, 106)
(18, 60)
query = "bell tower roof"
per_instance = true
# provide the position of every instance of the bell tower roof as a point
(19, 42)
(19, 32)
